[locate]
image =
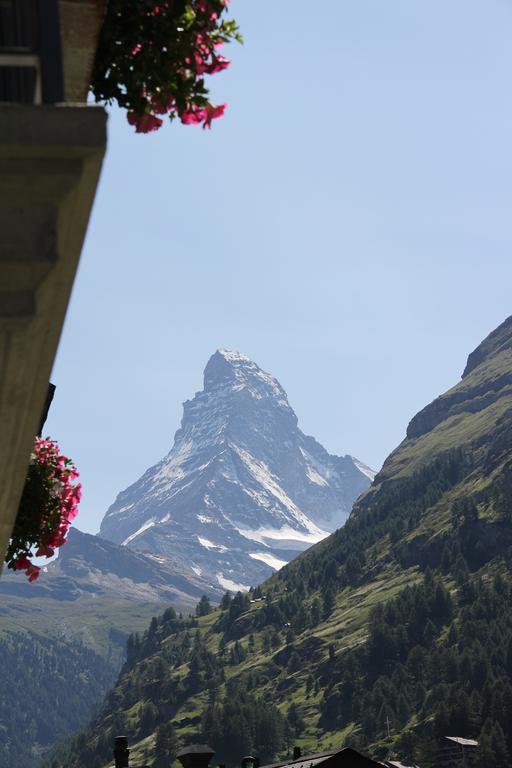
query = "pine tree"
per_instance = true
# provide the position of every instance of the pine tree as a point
(295, 720)
(166, 746)
(329, 601)
(203, 608)
(316, 612)
(493, 746)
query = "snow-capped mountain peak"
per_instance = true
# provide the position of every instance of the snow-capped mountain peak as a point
(236, 372)
(242, 490)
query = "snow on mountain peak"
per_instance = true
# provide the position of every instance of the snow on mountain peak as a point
(233, 356)
(240, 471)
(236, 370)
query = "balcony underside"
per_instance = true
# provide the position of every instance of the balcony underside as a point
(50, 160)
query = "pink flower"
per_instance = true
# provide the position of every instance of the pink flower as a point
(59, 501)
(218, 64)
(193, 115)
(212, 113)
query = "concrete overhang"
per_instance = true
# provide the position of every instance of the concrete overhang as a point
(50, 161)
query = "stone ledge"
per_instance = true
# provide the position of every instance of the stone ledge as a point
(69, 129)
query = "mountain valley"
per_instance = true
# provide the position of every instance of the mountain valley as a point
(390, 633)
(63, 638)
(241, 493)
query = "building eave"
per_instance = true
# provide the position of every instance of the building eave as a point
(50, 161)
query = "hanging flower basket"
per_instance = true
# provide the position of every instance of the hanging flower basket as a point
(48, 505)
(153, 56)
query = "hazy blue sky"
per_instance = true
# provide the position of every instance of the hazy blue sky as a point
(347, 225)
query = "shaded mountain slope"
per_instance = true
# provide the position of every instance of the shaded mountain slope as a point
(393, 631)
(63, 638)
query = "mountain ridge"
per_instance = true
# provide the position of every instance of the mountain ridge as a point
(89, 565)
(497, 341)
(242, 490)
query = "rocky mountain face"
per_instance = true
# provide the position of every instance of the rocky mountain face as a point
(475, 412)
(389, 634)
(89, 566)
(243, 490)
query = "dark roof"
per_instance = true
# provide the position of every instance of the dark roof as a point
(347, 757)
(196, 749)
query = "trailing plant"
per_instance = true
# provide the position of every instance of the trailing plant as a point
(48, 505)
(153, 56)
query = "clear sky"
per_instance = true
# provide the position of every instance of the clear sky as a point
(347, 225)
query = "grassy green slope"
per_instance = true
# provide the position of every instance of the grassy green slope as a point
(343, 623)
(100, 624)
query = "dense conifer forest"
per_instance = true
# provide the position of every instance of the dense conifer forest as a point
(56, 693)
(266, 670)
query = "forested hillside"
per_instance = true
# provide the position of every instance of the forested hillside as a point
(394, 631)
(50, 687)
(63, 639)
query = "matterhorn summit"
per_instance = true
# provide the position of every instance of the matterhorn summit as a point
(242, 490)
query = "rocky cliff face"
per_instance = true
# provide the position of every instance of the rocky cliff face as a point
(497, 342)
(470, 414)
(243, 490)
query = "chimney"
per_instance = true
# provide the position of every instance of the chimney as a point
(121, 752)
(297, 753)
(195, 756)
(248, 761)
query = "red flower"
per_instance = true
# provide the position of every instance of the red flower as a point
(144, 123)
(33, 572)
(162, 103)
(45, 551)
